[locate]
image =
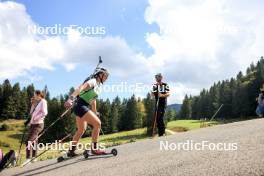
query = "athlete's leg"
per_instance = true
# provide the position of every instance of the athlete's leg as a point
(81, 127)
(160, 122)
(92, 119)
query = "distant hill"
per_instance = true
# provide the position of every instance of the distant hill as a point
(175, 107)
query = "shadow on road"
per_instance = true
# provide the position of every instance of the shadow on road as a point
(30, 172)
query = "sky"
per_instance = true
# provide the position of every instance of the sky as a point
(193, 43)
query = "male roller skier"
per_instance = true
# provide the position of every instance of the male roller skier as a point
(160, 91)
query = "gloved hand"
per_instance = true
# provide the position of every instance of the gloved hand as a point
(27, 121)
(68, 103)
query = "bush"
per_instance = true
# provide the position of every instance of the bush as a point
(4, 144)
(4, 127)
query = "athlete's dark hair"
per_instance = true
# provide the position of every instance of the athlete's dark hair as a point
(40, 93)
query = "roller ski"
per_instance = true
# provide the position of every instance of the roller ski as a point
(90, 153)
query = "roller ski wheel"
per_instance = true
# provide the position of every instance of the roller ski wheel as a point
(60, 159)
(86, 154)
(114, 152)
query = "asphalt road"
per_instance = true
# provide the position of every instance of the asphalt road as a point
(146, 158)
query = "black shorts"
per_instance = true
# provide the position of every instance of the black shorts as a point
(81, 107)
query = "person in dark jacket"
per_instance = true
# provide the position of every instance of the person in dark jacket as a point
(161, 92)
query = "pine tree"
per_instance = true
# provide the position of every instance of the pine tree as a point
(16, 94)
(9, 110)
(238, 95)
(7, 101)
(214, 94)
(130, 119)
(30, 92)
(53, 114)
(105, 109)
(204, 104)
(170, 115)
(225, 99)
(114, 117)
(23, 106)
(149, 103)
(185, 112)
(122, 115)
(141, 113)
(236, 101)
(195, 107)
(46, 93)
(129, 115)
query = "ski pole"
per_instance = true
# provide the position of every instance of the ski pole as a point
(92, 75)
(61, 116)
(20, 147)
(60, 141)
(102, 131)
(216, 112)
(107, 143)
(53, 123)
(99, 62)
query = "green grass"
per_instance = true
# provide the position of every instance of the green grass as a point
(11, 139)
(189, 124)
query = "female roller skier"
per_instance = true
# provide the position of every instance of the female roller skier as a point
(85, 110)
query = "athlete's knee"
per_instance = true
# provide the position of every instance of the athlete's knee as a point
(97, 124)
